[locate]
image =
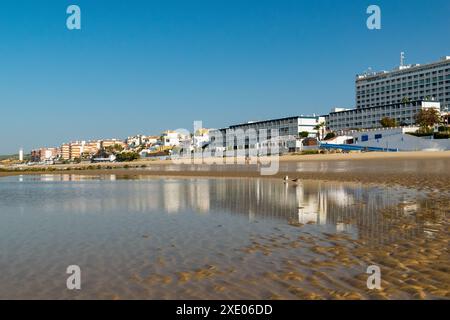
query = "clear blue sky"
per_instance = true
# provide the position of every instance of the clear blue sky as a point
(145, 66)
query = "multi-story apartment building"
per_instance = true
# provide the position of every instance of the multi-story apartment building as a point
(286, 129)
(407, 82)
(285, 126)
(172, 138)
(92, 147)
(65, 151)
(44, 154)
(369, 117)
(78, 149)
(35, 155)
(112, 142)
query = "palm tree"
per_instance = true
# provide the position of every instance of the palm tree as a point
(320, 130)
(406, 100)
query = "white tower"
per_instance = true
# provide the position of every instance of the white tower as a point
(21, 154)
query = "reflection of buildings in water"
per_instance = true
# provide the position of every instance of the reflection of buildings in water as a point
(156, 195)
(305, 202)
(313, 200)
(409, 209)
(172, 195)
(254, 197)
(350, 208)
(366, 215)
(48, 178)
(345, 227)
(308, 205)
(199, 195)
(340, 196)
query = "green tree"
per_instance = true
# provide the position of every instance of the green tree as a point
(127, 156)
(427, 118)
(330, 135)
(114, 148)
(303, 134)
(387, 122)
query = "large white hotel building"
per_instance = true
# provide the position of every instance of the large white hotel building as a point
(415, 82)
(398, 94)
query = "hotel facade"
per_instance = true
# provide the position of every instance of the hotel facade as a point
(287, 133)
(414, 82)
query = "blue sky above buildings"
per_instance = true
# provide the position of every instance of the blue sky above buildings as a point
(145, 66)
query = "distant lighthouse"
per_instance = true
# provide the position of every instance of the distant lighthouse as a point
(21, 154)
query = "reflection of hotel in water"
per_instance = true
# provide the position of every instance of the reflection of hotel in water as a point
(342, 207)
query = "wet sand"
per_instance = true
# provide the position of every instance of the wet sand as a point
(412, 268)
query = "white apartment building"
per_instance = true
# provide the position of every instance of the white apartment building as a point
(135, 141)
(170, 139)
(412, 82)
(369, 117)
(200, 138)
(286, 129)
(285, 126)
(173, 138)
(140, 140)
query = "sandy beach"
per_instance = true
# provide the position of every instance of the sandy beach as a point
(412, 252)
(416, 169)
